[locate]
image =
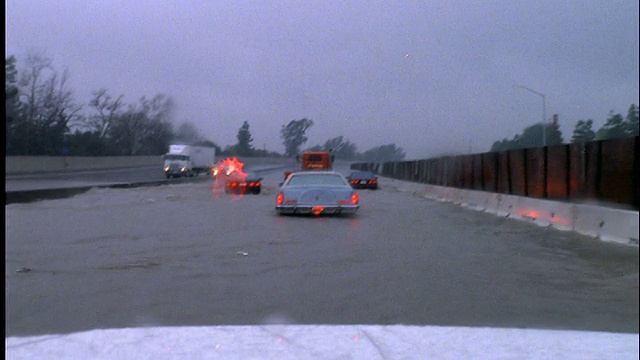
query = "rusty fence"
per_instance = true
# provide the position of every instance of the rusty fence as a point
(605, 170)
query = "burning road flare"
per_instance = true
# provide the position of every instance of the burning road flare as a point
(226, 172)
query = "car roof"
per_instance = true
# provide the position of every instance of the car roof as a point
(318, 173)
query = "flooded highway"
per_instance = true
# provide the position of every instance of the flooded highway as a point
(177, 255)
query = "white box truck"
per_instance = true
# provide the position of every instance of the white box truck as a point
(188, 160)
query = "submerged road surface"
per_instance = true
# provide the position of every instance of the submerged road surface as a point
(176, 254)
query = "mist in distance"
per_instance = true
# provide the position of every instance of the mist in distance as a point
(434, 78)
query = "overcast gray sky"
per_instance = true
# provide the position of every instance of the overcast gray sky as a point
(434, 77)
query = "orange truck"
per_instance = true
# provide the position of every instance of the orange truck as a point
(313, 160)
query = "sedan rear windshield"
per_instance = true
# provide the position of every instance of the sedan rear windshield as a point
(317, 179)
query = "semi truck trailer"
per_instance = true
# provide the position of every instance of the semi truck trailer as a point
(188, 160)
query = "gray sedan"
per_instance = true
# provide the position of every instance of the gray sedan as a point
(316, 193)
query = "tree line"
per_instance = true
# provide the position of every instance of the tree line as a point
(42, 119)
(293, 136)
(616, 126)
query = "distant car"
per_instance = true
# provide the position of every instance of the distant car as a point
(316, 193)
(251, 184)
(363, 180)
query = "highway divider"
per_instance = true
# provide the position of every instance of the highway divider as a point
(16, 165)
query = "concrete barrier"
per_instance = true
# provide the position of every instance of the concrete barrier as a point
(612, 225)
(601, 222)
(15, 165)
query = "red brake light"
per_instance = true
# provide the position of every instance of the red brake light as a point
(354, 199)
(280, 199)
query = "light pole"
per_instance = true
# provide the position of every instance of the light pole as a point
(544, 113)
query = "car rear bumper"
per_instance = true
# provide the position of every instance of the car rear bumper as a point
(242, 188)
(373, 187)
(311, 209)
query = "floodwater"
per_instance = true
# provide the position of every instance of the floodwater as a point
(178, 255)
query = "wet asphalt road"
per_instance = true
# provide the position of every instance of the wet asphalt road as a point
(177, 255)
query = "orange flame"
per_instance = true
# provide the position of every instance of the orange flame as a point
(228, 172)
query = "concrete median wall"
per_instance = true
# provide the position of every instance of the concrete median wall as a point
(16, 165)
(40, 164)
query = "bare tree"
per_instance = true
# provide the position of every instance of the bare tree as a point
(107, 110)
(188, 133)
(159, 108)
(15, 129)
(48, 105)
(144, 128)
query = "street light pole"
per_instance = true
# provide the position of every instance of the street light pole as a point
(544, 113)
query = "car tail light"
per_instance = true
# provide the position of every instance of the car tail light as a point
(354, 199)
(280, 199)
(373, 182)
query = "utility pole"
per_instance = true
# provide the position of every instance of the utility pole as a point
(544, 113)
